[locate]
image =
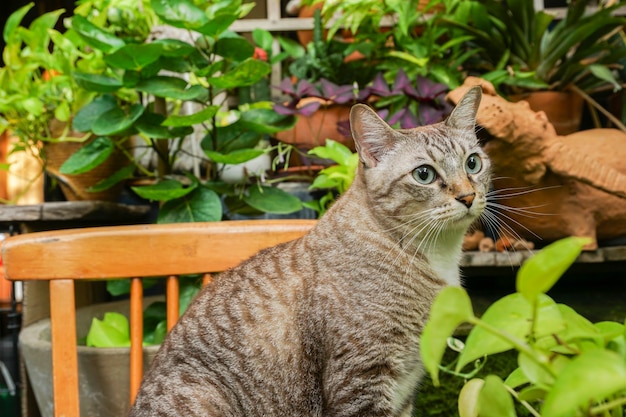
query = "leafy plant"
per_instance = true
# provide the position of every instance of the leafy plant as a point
(395, 35)
(568, 366)
(335, 179)
(113, 329)
(401, 102)
(522, 48)
(36, 84)
(136, 98)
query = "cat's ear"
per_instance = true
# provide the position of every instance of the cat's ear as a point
(373, 137)
(464, 114)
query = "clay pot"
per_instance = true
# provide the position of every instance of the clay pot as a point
(312, 131)
(563, 108)
(75, 187)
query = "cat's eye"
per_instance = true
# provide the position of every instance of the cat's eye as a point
(474, 164)
(425, 174)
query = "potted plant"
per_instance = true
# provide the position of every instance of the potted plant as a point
(38, 95)
(393, 71)
(523, 51)
(206, 64)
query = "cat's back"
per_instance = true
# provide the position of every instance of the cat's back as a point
(239, 335)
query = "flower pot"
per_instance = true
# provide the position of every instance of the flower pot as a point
(75, 187)
(103, 373)
(311, 131)
(563, 108)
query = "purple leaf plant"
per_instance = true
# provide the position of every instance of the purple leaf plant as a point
(405, 103)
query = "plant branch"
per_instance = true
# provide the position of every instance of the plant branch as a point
(518, 344)
(607, 406)
(526, 404)
(599, 107)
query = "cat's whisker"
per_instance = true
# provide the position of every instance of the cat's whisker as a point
(497, 213)
(522, 211)
(499, 193)
(496, 226)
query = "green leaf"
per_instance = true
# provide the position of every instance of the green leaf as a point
(94, 36)
(451, 307)
(577, 327)
(234, 48)
(272, 200)
(539, 273)
(97, 82)
(516, 378)
(191, 119)
(180, 13)
(511, 317)
(216, 26)
(163, 190)
(263, 38)
(264, 121)
(112, 331)
(494, 400)
(122, 286)
(86, 116)
(247, 73)
(117, 120)
(151, 125)
(235, 157)
(202, 205)
(88, 157)
(334, 151)
(117, 177)
(468, 397)
(587, 379)
(605, 74)
(188, 291)
(153, 314)
(135, 56)
(12, 23)
(171, 87)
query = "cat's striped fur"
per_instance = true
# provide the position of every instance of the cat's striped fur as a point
(329, 325)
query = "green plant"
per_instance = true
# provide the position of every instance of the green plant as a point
(335, 179)
(205, 66)
(36, 83)
(113, 329)
(567, 366)
(519, 48)
(411, 40)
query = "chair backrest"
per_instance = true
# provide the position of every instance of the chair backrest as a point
(64, 256)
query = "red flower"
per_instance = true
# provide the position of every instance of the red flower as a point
(260, 54)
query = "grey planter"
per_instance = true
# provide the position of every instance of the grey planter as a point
(103, 373)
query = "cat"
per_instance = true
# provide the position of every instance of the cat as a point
(329, 324)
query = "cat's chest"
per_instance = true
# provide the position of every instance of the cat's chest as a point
(444, 260)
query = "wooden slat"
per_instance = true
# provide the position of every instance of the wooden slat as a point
(188, 248)
(136, 336)
(64, 353)
(172, 294)
(207, 279)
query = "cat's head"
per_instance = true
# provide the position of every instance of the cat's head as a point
(432, 178)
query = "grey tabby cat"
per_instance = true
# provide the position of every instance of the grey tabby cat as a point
(329, 324)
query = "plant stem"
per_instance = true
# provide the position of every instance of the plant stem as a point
(519, 345)
(608, 406)
(526, 405)
(601, 109)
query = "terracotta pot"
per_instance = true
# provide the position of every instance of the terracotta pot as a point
(75, 187)
(563, 108)
(313, 130)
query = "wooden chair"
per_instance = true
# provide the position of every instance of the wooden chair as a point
(65, 256)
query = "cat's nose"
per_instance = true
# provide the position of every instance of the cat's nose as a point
(466, 199)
